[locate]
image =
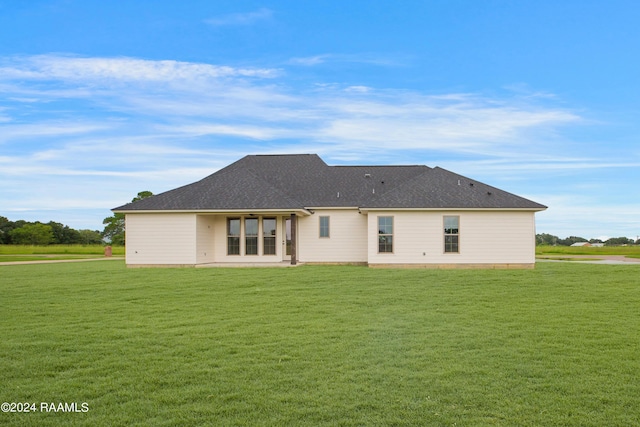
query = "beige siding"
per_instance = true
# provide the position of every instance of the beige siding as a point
(485, 238)
(205, 236)
(347, 241)
(154, 239)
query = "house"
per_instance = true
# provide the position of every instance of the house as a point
(296, 208)
(588, 245)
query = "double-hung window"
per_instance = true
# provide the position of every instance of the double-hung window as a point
(251, 236)
(248, 230)
(451, 234)
(233, 236)
(385, 234)
(324, 226)
(269, 236)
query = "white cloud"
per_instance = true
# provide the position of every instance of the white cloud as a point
(457, 123)
(3, 117)
(109, 127)
(253, 132)
(200, 94)
(74, 69)
(368, 59)
(12, 132)
(578, 215)
(358, 89)
(309, 60)
(235, 19)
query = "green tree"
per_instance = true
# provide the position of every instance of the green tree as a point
(32, 234)
(114, 229)
(89, 237)
(63, 234)
(571, 240)
(546, 239)
(618, 241)
(114, 225)
(5, 228)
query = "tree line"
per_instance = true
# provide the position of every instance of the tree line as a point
(549, 239)
(54, 233)
(37, 233)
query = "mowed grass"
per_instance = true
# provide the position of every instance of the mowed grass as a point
(19, 258)
(629, 251)
(58, 250)
(316, 345)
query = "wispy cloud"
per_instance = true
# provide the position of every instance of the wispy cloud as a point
(13, 132)
(362, 58)
(563, 210)
(68, 123)
(208, 100)
(310, 60)
(76, 69)
(247, 18)
(4, 118)
(204, 102)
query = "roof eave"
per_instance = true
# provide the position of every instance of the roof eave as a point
(301, 211)
(451, 208)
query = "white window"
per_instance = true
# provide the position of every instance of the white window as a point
(324, 226)
(451, 234)
(385, 234)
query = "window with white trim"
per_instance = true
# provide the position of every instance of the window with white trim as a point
(233, 236)
(268, 236)
(324, 226)
(385, 234)
(452, 234)
(251, 236)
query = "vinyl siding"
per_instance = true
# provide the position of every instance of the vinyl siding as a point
(154, 239)
(347, 241)
(205, 237)
(486, 238)
(495, 237)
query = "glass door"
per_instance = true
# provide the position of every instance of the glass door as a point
(287, 239)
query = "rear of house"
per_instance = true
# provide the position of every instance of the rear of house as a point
(296, 208)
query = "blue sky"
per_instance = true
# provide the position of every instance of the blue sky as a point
(100, 100)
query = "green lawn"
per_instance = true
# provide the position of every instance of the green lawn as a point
(13, 253)
(629, 251)
(16, 258)
(314, 345)
(58, 250)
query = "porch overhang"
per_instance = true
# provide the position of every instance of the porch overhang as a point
(250, 212)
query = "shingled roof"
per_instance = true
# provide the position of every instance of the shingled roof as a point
(301, 181)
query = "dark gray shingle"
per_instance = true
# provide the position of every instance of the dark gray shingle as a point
(305, 180)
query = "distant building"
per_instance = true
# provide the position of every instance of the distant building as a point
(587, 244)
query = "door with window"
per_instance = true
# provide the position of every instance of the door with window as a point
(286, 239)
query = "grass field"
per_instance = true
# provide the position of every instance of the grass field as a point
(58, 250)
(13, 253)
(629, 251)
(16, 258)
(317, 345)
